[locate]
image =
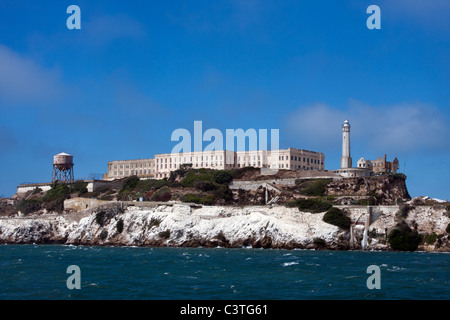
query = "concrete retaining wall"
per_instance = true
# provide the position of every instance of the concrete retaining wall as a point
(253, 185)
(30, 187)
(95, 185)
(81, 204)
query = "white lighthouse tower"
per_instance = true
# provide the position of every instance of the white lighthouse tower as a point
(346, 160)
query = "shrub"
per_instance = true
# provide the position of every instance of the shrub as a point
(82, 192)
(103, 235)
(223, 192)
(337, 218)
(28, 206)
(207, 200)
(221, 237)
(402, 238)
(78, 186)
(124, 195)
(223, 176)
(130, 183)
(119, 226)
(150, 184)
(197, 175)
(56, 205)
(103, 216)
(403, 211)
(164, 234)
(162, 194)
(431, 238)
(57, 191)
(180, 172)
(204, 185)
(37, 190)
(199, 199)
(366, 202)
(100, 218)
(154, 223)
(311, 205)
(313, 187)
(190, 197)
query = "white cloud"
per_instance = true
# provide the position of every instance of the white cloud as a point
(22, 80)
(395, 128)
(317, 124)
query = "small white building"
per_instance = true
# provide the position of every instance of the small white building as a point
(363, 163)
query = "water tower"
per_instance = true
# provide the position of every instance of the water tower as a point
(63, 168)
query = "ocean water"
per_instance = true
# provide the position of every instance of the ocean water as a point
(40, 272)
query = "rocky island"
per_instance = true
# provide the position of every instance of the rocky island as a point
(242, 208)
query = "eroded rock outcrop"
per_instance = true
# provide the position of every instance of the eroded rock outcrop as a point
(385, 188)
(181, 225)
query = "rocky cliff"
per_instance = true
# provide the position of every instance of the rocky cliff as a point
(179, 224)
(384, 189)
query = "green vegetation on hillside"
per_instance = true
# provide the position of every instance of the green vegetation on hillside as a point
(28, 206)
(205, 176)
(430, 238)
(313, 187)
(313, 205)
(198, 198)
(402, 238)
(211, 184)
(53, 199)
(336, 217)
(133, 188)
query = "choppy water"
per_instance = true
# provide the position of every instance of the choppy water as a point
(39, 272)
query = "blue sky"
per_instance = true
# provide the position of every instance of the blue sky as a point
(138, 70)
